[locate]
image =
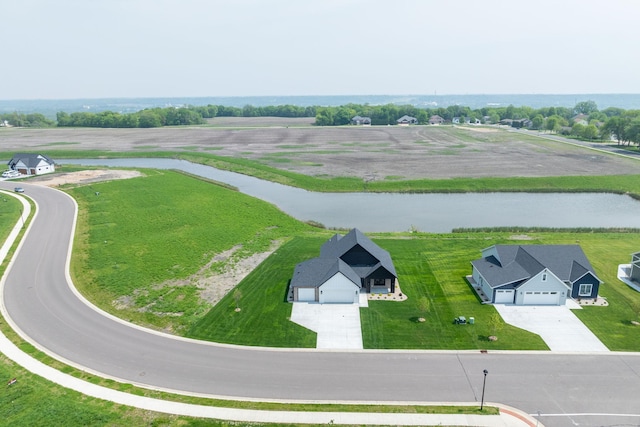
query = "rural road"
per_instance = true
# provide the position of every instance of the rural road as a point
(566, 389)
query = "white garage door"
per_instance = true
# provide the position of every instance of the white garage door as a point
(338, 295)
(541, 298)
(504, 296)
(306, 294)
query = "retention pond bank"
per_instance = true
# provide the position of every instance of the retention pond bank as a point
(392, 212)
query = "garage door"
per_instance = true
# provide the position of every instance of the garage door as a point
(541, 298)
(504, 296)
(306, 294)
(338, 295)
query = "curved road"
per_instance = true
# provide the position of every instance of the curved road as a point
(45, 309)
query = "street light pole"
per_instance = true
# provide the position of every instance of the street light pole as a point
(484, 382)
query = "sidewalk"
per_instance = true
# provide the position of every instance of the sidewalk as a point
(509, 417)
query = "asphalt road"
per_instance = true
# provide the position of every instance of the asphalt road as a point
(43, 306)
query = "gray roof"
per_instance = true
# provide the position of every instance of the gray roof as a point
(339, 245)
(31, 160)
(407, 118)
(316, 271)
(516, 263)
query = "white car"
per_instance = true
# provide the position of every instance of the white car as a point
(10, 174)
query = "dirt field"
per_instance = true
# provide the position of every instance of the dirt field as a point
(375, 152)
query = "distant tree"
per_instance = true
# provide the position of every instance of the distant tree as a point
(552, 124)
(585, 107)
(324, 117)
(590, 132)
(615, 126)
(537, 122)
(577, 129)
(343, 116)
(633, 131)
(149, 119)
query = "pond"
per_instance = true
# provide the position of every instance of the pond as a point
(377, 212)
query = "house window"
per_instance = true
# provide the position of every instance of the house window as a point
(585, 290)
(544, 277)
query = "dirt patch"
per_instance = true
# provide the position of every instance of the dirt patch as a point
(83, 177)
(214, 280)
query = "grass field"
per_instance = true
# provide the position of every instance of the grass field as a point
(139, 241)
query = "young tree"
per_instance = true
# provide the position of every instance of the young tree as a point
(237, 295)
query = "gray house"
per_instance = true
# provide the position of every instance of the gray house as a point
(407, 120)
(362, 121)
(635, 267)
(31, 164)
(534, 274)
(347, 266)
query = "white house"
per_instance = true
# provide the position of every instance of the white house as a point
(347, 266)
(31, 164)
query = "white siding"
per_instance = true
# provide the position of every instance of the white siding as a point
(339, 289)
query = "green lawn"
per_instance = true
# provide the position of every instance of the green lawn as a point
(263, 319)
(433, 267)
(139, 241)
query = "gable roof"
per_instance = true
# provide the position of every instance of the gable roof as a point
(339, 245)
(407, 119)
(316, 271)
(517, 263)
(30, 160)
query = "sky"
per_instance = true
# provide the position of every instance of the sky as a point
(70, 49)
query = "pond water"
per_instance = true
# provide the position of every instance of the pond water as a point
(376, 212)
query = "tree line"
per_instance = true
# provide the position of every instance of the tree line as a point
(584, 120)
(176, 116)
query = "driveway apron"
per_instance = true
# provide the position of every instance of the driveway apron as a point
(560, 329)
(337, 325)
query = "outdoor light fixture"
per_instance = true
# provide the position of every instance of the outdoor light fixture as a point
(484, 382)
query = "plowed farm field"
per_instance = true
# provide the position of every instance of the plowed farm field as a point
(375, 152)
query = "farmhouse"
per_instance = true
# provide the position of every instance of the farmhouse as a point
(31, 164)
(347, 266)
(534, 274)
(436, 120)
(407, 120)
(362, 121)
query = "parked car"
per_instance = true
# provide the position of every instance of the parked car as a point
(19, 190)
(10, 174)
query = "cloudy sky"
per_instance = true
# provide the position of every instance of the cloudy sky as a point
(162, 48)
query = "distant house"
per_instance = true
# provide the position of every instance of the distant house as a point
(436, 120)
(31, 164)
(347, 266)
(582, 119)
(407, 120)
(456, 120)
(362, 121)
(534, 274)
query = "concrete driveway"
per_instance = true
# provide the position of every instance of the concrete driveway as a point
(337, 325)
(556, 325)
